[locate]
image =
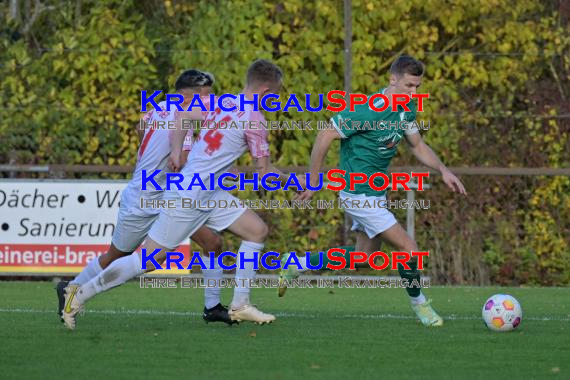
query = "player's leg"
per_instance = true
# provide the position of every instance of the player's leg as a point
(129, 233)
(247, 225)
(166, 233)
(212, 244)
(106, 259)
(92, 269)
(399, 238)
(119, 272)
(380, 223)
(95, 266)
(253, 232)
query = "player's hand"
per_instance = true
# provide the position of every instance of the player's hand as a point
(183, 158)
(175, 161)
(234, 170)
(305, 195)
(302, 194)
(452, 182)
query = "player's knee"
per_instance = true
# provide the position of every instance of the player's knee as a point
(260, 232)
(112, 254)
(408, 246)
(264, 231)
(160, 260)
(104, 260)
(218, 246)
(107, 258)
(215, 245)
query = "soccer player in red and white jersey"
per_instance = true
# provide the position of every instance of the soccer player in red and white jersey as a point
(133, 222)
(214, 152)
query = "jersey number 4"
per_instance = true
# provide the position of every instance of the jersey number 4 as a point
(214, 138)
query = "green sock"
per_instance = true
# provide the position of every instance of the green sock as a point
(411, 274)
(314, 257)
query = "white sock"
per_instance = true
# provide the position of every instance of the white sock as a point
(241, 292)
(91, 270)
(419, 299)
(212, 294)
(119, 272)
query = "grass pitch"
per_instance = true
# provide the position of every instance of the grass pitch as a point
(319, 334)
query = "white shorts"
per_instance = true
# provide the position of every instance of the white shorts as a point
(176, 225)
(132, 227)
(371, 221)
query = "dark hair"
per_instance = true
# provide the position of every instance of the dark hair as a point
(405, 64)
(263, 71)
(194, 78)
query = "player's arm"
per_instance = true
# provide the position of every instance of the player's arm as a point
(263, 166)
(187, 147)
(184, 156)
(342, 129)
(178, 135)
(140, 132)
(259, 149)
(318, 155)
(428, 157)
(141, 126)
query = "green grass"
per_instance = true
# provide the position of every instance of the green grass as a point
(319, 334)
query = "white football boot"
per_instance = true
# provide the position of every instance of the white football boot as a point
(72, 306)
(250, 313)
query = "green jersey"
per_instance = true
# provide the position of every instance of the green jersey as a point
(370, 139)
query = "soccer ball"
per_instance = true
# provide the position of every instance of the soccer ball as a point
(502, 312)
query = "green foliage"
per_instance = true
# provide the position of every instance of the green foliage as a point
(77, 101)
(498, 74)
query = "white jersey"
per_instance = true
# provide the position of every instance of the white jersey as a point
(215, 150)
(153, 154)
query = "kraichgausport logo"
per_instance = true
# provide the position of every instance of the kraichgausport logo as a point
(270, 260)
(272, 103)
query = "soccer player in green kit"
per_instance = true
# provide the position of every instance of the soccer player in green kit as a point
(370, 151)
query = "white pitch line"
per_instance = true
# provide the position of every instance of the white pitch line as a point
(450, 317)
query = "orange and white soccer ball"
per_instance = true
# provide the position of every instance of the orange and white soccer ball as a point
(502, 312)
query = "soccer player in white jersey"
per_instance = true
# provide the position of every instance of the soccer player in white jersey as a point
(214, 152)
(133, 223)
